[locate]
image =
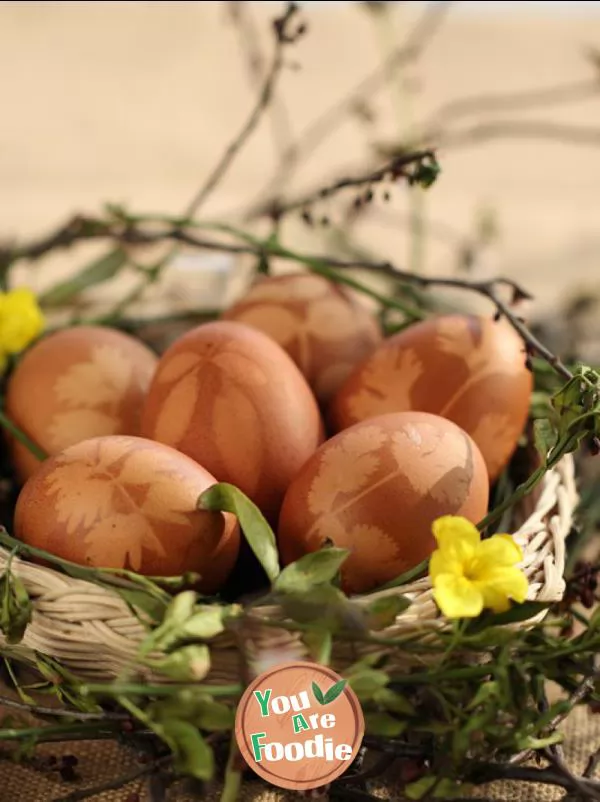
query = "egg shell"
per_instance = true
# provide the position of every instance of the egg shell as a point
(232, 399)
(376, 489)
(126, 502)
(319, 323)
(469, 369)
(73, 384)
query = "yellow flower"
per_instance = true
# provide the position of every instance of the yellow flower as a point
(469, 574)
(21, 320)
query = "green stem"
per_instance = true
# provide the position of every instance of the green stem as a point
(67, 731)
(107, 689)
(20, 435)
(114, 578)
(233, 777)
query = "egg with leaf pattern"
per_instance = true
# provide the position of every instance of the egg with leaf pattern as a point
(73, 384)
(376, 488)
(469, 369)
(230, 397)
(321, 324)
(126, 502)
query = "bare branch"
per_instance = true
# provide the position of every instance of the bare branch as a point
(509, 101)
(323, 126)
(129, 233)
(249, 39)
(392, 170)
(521, 129)
(282, 38)
(39, 710)
(116, 783)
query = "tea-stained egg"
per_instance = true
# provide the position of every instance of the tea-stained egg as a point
(469, 369)
(325, 330)
(376, 489)
(77, 383)
(126, 502)
(229, 397)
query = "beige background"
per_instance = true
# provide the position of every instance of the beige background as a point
(133, 102)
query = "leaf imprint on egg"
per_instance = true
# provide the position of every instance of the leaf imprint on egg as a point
(116, 539)
(386, 383)
(90, 395)
(345, 467)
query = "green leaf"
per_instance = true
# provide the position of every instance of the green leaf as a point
(450, 789)
(193, 756)
(318, 694)
(319, 643)
(324, 607)
(384, 724)
(224, 497)
(488, 690)
(206, 622)
(544, 437)
(188, 664)
(336, 690)
(367, 682)
(382, 612)
(368, 661)
(386, 697)
(215, 716)
(15, 606)
(315, 568)
(99, 271)
(517, 613)
(530, 742)
(419, 788)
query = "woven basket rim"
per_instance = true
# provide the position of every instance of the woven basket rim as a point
(92, 631)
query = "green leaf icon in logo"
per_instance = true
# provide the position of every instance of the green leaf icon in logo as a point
(331, 695)
(318, 694)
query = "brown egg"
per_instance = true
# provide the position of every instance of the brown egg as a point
(325, 330)
(376, 488)
(233, 400)
(468, 369)
(126, 502)
(77, 383)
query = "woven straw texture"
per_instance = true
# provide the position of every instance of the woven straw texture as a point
(92, 632)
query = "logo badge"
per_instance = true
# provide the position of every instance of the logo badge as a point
(299, 726)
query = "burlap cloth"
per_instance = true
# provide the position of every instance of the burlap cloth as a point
(103, 761)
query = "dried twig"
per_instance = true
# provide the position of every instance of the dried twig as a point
(393, 170)
(117, 782)
(413, 47)
(126, 232)
(578, 695)
(242, 17)
(509, 101)
(77, 715)
(282, 38)
(520, 129)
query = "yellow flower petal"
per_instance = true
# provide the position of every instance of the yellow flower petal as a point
(441, 563)
(21, 320)
(500, 550)
(499, 585)
(457, 597)
(457, 537)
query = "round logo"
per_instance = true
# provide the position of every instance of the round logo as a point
(299, 726)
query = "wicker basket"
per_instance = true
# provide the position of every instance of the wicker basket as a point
(93, 633)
